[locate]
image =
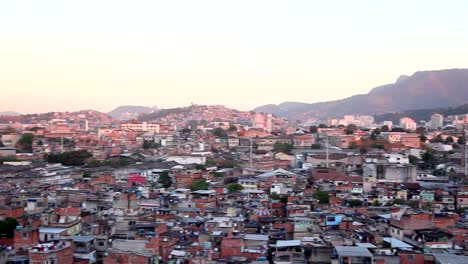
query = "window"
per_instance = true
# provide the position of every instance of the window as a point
(101, 243)
(25, 235)
(411, 257)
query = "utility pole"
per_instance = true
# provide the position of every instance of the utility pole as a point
(61, 144)
(328, 145)
(251, 153)
(466, 149)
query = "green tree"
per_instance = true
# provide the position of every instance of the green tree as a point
(87, 174)
(352, 145)
(25, 143)
(423, 138)
(165, 180)
(147, 144)
(71, 158)
(413, 159)
(1, 144)
(322, 126)
(232, 128)
(282, 147)
(384, 128)
(313, 129)
(322, 196)
(449, 140)
(461, 140)
(8, 226)
(429, 160)
(315, 146)
(362, 150)
(354, 203)
(219, 132)
(201, 184)
(234, 187)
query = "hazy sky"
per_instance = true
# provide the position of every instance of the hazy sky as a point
(69, 55)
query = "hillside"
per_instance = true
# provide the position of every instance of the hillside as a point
(127, 112)
(422, 114)
(9, 113)
(203, 114)
(422, 90)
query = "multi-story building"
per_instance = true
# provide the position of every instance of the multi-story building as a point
(144, 126)
(408, 123)
(437, 121)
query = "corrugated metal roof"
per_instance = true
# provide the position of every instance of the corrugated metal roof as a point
(396, 243)
(353, 252)
(256, 237)
(288, 243)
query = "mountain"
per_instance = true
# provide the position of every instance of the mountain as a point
(422, 114)
(127, 112)
(9, 113)
(422, 90)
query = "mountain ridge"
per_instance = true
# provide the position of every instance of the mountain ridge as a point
(423, 89)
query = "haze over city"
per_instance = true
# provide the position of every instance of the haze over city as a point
(61, 55)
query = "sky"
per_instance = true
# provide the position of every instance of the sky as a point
(72, 55)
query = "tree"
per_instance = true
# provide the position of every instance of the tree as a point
(232, 128)
(315, 146)
(429, 160)
(449, 140)
(283, 147)
(354, 203)
(219, 132)
(8, 226)
(25, 143)
(461, 140)
(165, 180)
(322, 126)
(234, 187)
(420, 130)
(313, 129)
(1, 144)
(377, 131)
(322, 196)
(436, 139)
(87, 174)
(413, 159)
(398, 129)
(352, 127)
(352, 145)
(384, 128)
(71, 158)
(422, 138)
(201, 184)
(362, 150)
(147, 144)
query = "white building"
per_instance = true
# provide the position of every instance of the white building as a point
(145, 127)
(437, 121)
(408, 123)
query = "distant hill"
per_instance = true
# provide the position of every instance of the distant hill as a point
(422, 90)
(204, 115)
(9, 113)
(422, 114)
(127, 112)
